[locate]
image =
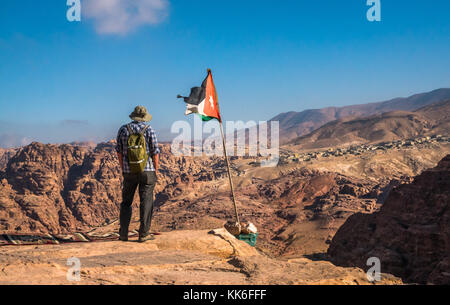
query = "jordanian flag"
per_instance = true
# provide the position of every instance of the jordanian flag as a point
(203, 100)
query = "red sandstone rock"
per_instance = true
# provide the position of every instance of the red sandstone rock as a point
(410, 234)
(60, 188)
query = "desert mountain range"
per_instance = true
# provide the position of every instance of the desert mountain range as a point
(433, 119)
(297, 206)
(296, 124)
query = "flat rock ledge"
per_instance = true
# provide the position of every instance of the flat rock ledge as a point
(208, 257)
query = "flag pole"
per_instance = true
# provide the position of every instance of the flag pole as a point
(226, 160)
(229, 173)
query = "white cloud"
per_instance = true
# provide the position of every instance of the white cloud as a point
(123, 16)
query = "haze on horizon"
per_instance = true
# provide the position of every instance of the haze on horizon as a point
(66, 81)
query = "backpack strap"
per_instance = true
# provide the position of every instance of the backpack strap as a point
(144, 129)
(129, 130)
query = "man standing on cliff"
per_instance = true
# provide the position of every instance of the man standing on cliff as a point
(138, 152)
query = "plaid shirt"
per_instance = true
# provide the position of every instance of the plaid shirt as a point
(150, 141)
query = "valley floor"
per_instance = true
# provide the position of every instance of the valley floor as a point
(298, 215)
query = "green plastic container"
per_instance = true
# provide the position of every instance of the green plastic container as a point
(248, 238)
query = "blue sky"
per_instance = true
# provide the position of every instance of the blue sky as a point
(66, 81)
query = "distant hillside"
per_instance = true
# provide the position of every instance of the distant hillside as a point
(296, 124)
(439, 114)
(389, 126)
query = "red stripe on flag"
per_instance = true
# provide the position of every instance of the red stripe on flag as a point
(211, 106)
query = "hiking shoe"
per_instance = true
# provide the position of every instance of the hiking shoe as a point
(145, 238)
(123, 238)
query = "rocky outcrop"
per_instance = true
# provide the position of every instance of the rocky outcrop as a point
(61, 188)
(410, 234)
(281, 208)
(198, 257)
(68, 188)
(32, 190)
(5, 155)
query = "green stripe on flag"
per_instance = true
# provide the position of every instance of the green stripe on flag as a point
(205, 118)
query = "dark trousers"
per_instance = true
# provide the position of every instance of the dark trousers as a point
(146, 182)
